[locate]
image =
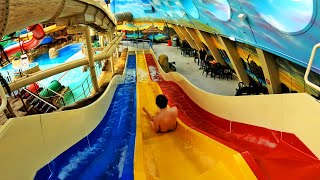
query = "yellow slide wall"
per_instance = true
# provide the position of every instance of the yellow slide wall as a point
(294, 113)
(183, 153)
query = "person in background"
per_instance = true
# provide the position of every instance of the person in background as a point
(202, 57)
(165, 119)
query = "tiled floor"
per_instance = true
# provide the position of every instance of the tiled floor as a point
(189, 69)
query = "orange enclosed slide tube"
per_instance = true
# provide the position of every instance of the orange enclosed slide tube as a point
(38, 35)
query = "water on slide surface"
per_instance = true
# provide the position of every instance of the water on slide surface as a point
(107, 152)
(183, 153)
(271, 154)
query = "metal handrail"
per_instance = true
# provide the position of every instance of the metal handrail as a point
(38, 97)
(48, 89)
(306, 75)
(133, 40)
(86, 86)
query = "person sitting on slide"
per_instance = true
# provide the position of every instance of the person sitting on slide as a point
(166, 118)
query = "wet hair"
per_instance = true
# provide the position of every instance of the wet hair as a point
(161, 101)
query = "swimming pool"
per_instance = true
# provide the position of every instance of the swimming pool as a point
(73, 78)
(45, 62)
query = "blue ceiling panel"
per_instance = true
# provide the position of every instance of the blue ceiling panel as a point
(288, 28)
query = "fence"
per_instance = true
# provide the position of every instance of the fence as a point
(57, 100)
(83, 90)
(138, 43)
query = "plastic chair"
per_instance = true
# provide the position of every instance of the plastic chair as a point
(216, 71)
(227, 73)
(206, 68)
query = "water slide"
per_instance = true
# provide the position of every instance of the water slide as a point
(271, 153)
(117, 145)
(97, 141)
(34, 38)
(74, 143)
(47, 39)
(36, 140)
(38, 35)
(107, 151)
(184, 153)
(47, 30)
(203, 146)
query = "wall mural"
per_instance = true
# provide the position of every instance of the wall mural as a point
(221, 50)
(135, 30)
(139, 26)
(251, 62)
(287, 28)
(291, 77)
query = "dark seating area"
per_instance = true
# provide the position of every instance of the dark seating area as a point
(217, 70)
(252, 89)
(187, 50)
(212, 68)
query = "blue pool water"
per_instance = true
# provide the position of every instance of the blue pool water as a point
(157, 36)
(107, 152)
(134, 35)
(45, 62)
(72, 78)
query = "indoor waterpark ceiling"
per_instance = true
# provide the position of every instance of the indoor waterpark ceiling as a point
(288, 28)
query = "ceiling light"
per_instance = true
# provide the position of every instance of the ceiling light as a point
(242, 17)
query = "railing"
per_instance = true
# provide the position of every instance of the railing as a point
(138, 43)
(38, 97)
(306, 75)
(56, 100)
(85, 88)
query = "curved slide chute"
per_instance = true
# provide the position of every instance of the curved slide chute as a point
(272, 148)
(103, 133)
(183, 153)
(107, 151)
(38, 35)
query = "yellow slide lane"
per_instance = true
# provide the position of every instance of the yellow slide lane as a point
(142, 72)
(183, 153)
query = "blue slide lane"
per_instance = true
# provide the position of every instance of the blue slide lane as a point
(107, 152)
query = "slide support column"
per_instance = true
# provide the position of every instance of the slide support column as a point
(270, 71)
(90, 60)
(235, 59)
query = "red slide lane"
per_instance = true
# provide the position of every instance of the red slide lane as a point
(270, 154)
(38, 35)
